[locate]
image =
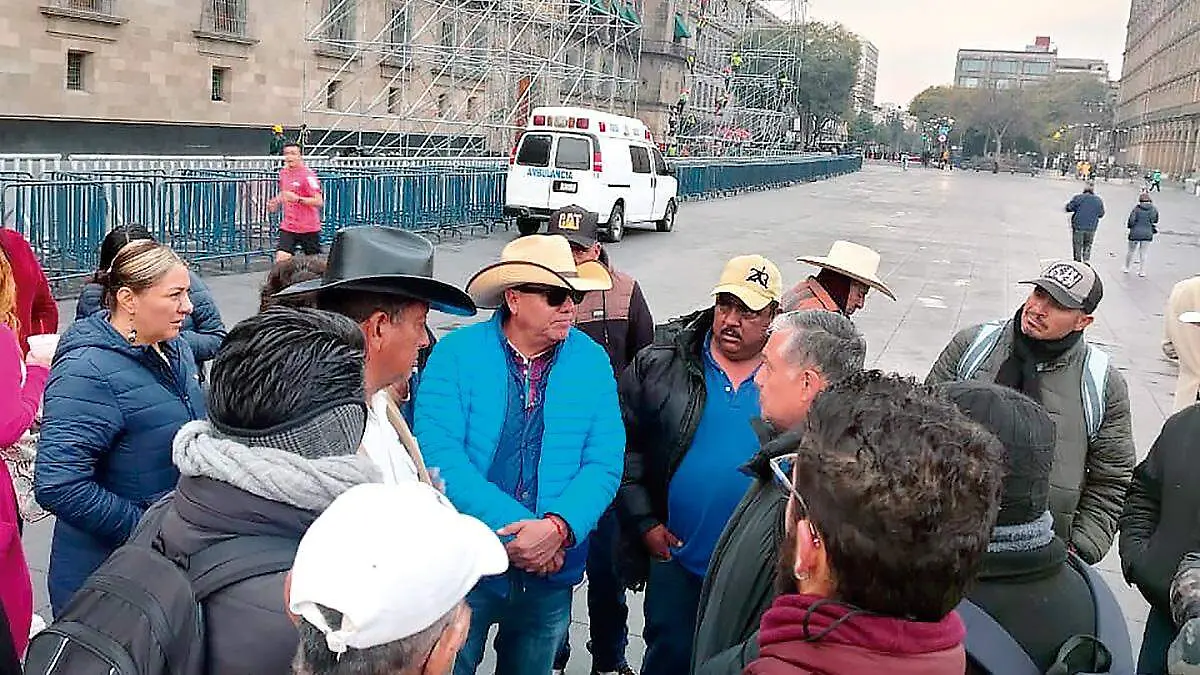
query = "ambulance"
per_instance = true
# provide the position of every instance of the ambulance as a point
(605, 163)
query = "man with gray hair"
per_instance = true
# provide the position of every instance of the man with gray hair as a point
(806, 352)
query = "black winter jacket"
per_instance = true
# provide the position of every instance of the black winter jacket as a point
(740, 585)
(247, 629)
(1159, 524)
(662, 398)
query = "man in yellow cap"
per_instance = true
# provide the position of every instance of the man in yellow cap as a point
(277, 140)
(688, 400)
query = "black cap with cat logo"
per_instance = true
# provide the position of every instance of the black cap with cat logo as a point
(575, 223)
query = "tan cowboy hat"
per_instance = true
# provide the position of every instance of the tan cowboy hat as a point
(543, 259)
(855, 261)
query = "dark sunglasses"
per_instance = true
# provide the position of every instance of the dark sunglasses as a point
(555, 296)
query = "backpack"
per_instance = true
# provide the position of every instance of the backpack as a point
(142, 613)
(1092, 384)
(990, 647)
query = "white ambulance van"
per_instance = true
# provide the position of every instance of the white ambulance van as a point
(605, 163)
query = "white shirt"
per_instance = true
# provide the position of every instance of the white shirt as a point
(382, 445)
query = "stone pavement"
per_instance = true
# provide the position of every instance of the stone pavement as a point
(954, 246)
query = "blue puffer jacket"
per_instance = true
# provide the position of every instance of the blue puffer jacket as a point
(111, 412)
(1086, 210)
(203, 329)
(460, 412)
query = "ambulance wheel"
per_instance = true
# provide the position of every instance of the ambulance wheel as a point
(616, 224)
(668, 220)
(528, 226)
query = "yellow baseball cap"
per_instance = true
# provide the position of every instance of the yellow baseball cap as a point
(277, 128)
(752, 279)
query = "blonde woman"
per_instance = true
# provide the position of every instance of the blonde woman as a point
(1183, 340)
(123, 383)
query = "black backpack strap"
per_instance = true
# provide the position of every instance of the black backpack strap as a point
(990, 646)
(1064, 661)
(1111, 629)
(238, 559)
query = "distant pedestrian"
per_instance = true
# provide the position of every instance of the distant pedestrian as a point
(847, 274)
(1156, 180)
(301, 198)
(1086, 210)
(277, 140)
(123, 383)
(1143, 225)
(619, 320)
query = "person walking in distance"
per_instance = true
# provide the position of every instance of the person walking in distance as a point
(1086, 210)
(688, 402)
(301, 198)
(1143, 225)
(620, 321)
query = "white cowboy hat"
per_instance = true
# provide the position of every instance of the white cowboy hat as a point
(1190, 317)
(855, 261)
(543, 259)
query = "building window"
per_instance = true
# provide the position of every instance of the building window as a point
(449, 30)
(219, 77)
(972, 65)
(1037, 68)
(95, 6)
(1005, 66)
(227, 17)
(393, 102)
(398, 28)
(443, 105)
(331, 94)
(1003, 83)
(77, 63)
(472, 108)
(340, 16)
(968, 82)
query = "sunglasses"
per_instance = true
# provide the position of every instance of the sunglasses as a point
(555, 295)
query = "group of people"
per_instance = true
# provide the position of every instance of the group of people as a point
(1086, 209)
(783, 509)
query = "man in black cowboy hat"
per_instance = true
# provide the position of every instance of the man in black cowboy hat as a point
(382, 278)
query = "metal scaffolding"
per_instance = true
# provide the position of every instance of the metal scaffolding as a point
(741, 85)
(459, 77)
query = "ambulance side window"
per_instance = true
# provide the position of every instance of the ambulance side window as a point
(660, 166)
(640, 159)
(573, 153)
(535, 150)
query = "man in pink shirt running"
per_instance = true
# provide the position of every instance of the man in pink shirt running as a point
(301, 198)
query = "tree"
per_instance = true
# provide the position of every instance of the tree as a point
(937, 102)
(808, 70)
(864, 131)
(999, 112)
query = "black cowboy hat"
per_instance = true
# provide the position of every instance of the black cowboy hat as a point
(389, 261)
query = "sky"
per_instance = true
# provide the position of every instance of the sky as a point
(918, 39)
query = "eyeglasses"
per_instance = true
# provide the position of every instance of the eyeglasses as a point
(783, 467)
(555, 295)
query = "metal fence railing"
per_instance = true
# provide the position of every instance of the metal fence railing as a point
(216, 209)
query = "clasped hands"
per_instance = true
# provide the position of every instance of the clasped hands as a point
(537, 546)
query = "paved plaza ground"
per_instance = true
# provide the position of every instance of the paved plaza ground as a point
(954, 246)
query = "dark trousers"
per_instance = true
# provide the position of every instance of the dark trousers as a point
(533, 618)
(1160, 633)
(1081, 245)
(608, 615)
(672, 601)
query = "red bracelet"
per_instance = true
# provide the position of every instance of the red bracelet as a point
(559, 526)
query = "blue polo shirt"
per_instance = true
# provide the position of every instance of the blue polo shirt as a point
(708, 484)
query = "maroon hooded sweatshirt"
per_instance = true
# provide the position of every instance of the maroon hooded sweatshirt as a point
(864, 643)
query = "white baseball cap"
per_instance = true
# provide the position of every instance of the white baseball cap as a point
(392, 559)
(1190, 317)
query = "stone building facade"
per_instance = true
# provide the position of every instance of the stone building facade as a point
(212, 76)
(1158, 110)
(866, 77)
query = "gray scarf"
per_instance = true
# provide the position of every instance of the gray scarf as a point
(270, 473)
(1022, 537)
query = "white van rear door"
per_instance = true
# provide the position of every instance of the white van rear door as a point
(665, 186)
(573, 181)
(528, 184)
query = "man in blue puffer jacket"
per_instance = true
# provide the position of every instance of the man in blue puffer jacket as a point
(520, 414)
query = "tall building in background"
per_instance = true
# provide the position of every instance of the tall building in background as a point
(1158, 107)
(866, 77)
(1016, 69)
